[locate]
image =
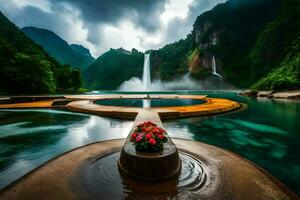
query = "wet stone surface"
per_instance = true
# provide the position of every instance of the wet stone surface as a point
(100, 178)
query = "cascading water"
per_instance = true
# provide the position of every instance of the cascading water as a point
(214, 67)
(146, 79)
(182, 83)
(146, 72)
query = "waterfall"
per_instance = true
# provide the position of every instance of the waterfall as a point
(146, 79)
(214, 67)
(137, 84)
(146, 72)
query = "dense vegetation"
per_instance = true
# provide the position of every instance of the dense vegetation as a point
(112, 68)
(170, 62)
(286, 76)
(278, 51)
(73, 55)
(237, 25)
(26, 69)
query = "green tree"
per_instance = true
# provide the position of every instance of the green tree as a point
(25, 68)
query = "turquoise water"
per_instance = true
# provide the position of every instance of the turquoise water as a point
(266, 132)
(151, 102)
(29, 138)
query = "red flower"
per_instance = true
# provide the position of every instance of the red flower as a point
(161, 130)
(148, 123)
(148, 133)
(152, 141)
(150, 128)
(143, 133)
(156, 131)
(161, 136)
(139, 138)
(148, 136)
(134, 135)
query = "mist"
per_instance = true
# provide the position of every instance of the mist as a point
(184, 83)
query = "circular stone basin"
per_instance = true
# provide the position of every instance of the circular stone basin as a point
(152, 102)
(101, 178)
(91, 172)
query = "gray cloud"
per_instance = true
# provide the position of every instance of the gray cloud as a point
(55, 21)
(85, 21)
(197, 7)
(144, 13)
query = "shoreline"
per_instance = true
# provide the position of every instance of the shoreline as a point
(290, 95)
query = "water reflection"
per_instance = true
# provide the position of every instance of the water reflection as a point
(267, 132)
(100, 178)
(29, 138)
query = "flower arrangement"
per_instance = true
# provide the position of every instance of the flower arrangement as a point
(148, 137)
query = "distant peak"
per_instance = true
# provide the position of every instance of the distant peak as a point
(32, 28)
(34, 32)
(121, 50)
(81, 49)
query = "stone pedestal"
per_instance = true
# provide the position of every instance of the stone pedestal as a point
(149, 166)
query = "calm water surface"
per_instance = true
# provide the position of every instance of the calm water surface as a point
(29, 138)
(151, 102)
(266, 132)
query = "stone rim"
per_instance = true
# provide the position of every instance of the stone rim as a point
(212, 106)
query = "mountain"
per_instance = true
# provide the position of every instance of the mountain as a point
(25, 68)
(254, 43)
(83, 51)
(73, 55)
(229, 32)
(112, 68)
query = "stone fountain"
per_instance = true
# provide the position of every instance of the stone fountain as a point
(115, 170)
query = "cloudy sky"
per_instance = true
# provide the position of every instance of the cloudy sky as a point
(103, 24)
